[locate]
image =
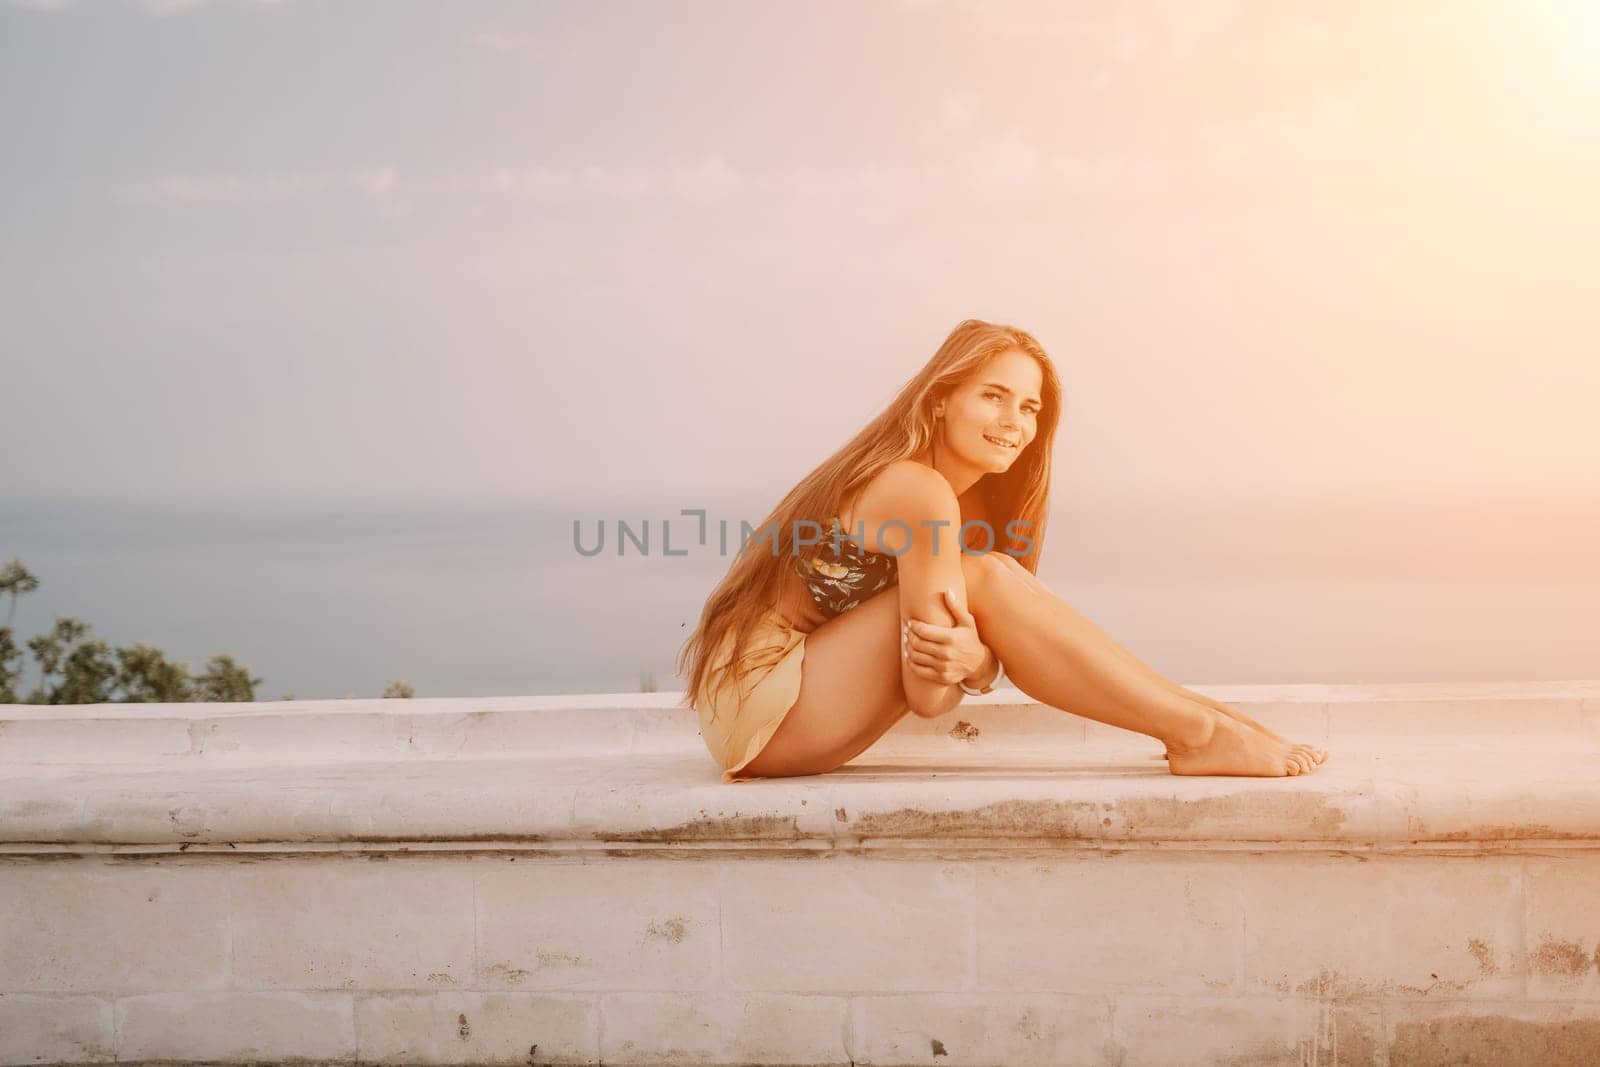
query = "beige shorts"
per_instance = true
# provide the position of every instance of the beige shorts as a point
(736, 737)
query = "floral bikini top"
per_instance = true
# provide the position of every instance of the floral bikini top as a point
(841, 580)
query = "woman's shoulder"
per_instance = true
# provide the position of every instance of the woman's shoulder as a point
(909, 491)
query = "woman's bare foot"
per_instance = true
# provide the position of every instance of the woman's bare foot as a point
(1233, 748)
(1317, 755)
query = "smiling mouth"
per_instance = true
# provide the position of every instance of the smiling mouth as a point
(1001, 441)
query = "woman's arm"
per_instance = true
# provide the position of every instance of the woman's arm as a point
(920, 498)
(951, 655)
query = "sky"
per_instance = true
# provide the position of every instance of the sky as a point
(544, 249)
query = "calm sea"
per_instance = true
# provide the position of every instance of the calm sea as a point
(484, 597)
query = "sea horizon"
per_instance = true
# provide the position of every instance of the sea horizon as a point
(485, 595)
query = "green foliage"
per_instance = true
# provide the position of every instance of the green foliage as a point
(75, 668)
(10, 653)
(15, 581)
(51, 651)
(88, 675)
(225, 681)
(148, 677)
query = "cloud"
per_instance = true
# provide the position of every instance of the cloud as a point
(499, 40)
(1005, 162)
(155, 8)
(1009, 166)
(710, 179)
(378, 184)
(510, 42)
(867, 180)
(958, 110)
(163, 8)
(1116, 35)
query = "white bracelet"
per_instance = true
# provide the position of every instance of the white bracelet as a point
(999, 673)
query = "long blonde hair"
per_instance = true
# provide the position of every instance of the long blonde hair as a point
(902, 431)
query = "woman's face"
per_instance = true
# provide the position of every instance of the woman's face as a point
(992, 416)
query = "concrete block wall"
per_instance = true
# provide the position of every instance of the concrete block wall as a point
(1091, 956)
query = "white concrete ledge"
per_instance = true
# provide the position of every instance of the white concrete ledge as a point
(1488, 767)
(647, 724)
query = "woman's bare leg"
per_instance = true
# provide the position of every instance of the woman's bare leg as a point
(1055, 656)
(850, 692)
(1111, 647)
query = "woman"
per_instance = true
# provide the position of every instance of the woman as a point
(853, 602)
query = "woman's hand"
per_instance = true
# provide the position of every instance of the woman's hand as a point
(944, 654)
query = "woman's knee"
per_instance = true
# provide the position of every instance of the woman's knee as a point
(982, 573)
(1014, 567)
(1011, 564)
